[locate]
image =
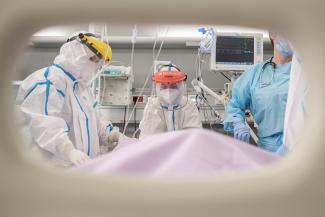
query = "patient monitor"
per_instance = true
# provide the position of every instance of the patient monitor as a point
(236, 52)
(115, 84)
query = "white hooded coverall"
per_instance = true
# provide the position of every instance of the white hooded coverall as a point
(158, 120)
(59, 109)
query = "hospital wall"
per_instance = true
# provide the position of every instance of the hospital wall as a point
(37, 57)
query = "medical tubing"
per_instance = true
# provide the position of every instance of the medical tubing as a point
(135, 119)
(207, 103)
(134, 32)
(196, 65)
(153, 59)
(104, 80)
(147, 78)
(222, 73)
(99, 71)
(124, 120)
(103, 91)
(161, 44)
(212, 113)
(199, 66)
(205, 117)
(154, 45)
(135, 132)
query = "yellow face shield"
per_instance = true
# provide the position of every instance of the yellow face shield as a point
(100, 48)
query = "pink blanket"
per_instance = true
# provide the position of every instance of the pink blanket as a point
(187, 152)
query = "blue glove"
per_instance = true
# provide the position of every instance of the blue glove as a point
(282, 151)
(241, 131)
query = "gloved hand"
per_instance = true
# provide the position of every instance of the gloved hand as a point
(241, 131)
(114, 135)
(68, 152)
(77, 157)
(282, 151)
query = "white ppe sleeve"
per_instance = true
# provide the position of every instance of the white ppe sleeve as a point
(42, 108)
(152, 121)
(192, 117)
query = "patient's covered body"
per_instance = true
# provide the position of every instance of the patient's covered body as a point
(188, 152)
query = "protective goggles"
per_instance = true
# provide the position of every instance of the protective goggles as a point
(100, 48)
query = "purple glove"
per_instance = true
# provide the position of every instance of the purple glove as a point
(241, 131)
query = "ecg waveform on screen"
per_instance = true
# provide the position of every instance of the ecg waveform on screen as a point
(237, 50)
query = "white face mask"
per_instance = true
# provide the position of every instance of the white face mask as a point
(88, 71)
(169, 96)
(86, 67)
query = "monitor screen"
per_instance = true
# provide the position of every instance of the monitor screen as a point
(236, 50)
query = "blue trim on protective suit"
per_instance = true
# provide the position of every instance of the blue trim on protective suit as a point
(60, 92)
(173, 115)
(173, 118)
(95, 104)
(66, 72)
(46, 73)
(47, 94)
(282, 151)
(109, 127)
(48, 84)
(68, 127)
(83, 111)
(87, 124)
(33, 88)
(167, 108)
(44, 83)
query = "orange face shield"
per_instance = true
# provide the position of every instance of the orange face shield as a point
(169, 77)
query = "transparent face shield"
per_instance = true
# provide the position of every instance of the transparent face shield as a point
(171, 96)
(98, 58)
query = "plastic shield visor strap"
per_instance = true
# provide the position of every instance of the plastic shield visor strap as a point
(100, 48)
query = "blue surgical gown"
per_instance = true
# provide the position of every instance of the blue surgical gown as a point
(267, 103)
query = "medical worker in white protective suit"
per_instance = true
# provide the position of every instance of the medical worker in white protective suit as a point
(170, 110)
(58, 107)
